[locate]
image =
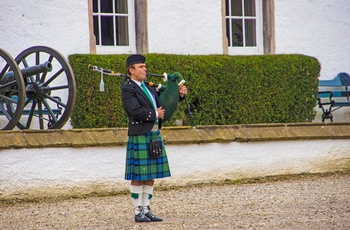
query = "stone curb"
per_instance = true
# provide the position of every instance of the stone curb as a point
(78, 138)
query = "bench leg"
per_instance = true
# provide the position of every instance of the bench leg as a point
(327, 115)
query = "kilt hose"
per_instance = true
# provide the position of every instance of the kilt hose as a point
(139, 166)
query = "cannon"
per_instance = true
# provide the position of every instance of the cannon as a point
(37, 89)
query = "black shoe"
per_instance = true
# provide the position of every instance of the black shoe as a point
(141, 218)
(152, 217)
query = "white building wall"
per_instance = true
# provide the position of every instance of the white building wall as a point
(185, 27)
(317, 28)
(61, 25)
(27, 173)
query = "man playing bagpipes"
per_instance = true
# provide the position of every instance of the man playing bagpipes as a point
(146, 158)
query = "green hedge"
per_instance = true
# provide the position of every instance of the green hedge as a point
(222, 89)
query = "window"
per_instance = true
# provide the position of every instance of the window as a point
(244, 26)
(113, 26)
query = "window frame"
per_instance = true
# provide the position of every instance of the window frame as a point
(247, 50)
(113, 49)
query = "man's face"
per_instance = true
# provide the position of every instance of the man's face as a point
(139, 72)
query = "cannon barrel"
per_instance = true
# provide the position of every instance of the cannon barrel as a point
(27, 72)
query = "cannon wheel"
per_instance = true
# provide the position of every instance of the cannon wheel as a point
(12, 92)
(50, 96)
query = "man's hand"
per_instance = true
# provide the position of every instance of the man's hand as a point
(161, 112)
(183, 91)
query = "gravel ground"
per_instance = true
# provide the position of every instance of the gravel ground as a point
(299, 202)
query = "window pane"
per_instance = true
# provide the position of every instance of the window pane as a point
(122, 31)
(106, 6)
(250, 32)
(95, 6)
(228, 34)
(237, 33)
(236, 8)
(96, 31)
(249, 7)
(121, 6)
(107, 33)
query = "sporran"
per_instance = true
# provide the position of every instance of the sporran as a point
(155, 149)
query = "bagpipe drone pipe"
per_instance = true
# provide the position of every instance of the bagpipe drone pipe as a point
(169, 93)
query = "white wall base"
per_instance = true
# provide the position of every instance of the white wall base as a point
(30, 173)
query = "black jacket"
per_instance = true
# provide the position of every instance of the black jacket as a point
(139, 109)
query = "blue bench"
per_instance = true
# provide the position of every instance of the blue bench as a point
(336, 98)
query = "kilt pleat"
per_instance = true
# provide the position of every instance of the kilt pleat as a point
(139, 166)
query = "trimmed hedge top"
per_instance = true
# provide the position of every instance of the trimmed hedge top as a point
(222, 89)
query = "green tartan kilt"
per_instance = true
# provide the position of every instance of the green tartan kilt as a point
(139, 166)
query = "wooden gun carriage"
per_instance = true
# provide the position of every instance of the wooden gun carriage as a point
(37, 89)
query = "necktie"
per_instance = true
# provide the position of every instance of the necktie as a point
(147, 94)
(144, 88)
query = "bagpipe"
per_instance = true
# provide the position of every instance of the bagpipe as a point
(169, 96)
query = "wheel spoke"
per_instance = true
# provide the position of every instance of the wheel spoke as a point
(6, 67)
(31, 113)
(43, 76)
(37, 62)
(25, 63)
(27, 102)
(52, 114)
(41, 120)
(10, 99)
(55, 100)
(7, 115)
(9, 84)
(53, 77)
